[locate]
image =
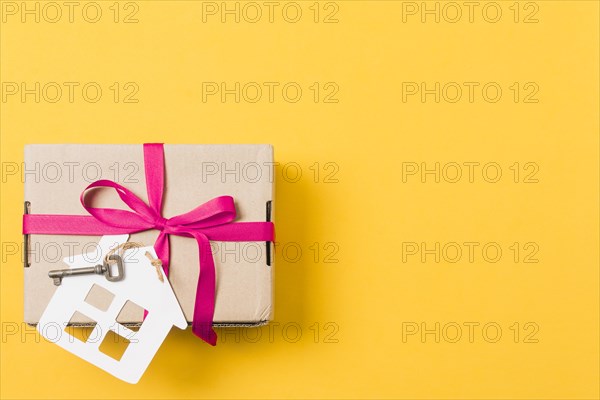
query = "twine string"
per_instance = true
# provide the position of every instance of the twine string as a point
(123, 247)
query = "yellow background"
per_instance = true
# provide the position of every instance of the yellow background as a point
(368, 213)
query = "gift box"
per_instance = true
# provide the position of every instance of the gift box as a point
(56, 175)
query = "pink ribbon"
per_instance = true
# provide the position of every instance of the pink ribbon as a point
(212, 220)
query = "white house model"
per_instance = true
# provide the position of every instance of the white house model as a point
(142, 285)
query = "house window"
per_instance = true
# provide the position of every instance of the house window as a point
(99, 297)
(114, 345)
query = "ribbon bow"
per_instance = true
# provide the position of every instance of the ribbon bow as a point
(212, 220)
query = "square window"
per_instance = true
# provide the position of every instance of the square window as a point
(114, 345)
(131, 312)
(81, 333)
(99, 297)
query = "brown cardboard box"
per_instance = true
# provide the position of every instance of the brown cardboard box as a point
(55, 176)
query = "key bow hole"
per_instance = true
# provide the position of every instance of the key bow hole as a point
(108, 270)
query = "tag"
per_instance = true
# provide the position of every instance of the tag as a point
(142, 285)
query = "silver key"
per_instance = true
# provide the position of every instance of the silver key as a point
(101, 269)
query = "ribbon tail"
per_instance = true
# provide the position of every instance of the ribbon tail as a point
(161, 246)
(204, 307)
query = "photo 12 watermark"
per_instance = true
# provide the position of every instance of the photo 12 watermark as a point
(288, 92)
(470, 172)
(452, 252)
(58, 252)
(453, 12)
(470, 332)
(487, 92)
(70, 12)
(70, 171)
(270, 12)
(326, 172)
(89, 92)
